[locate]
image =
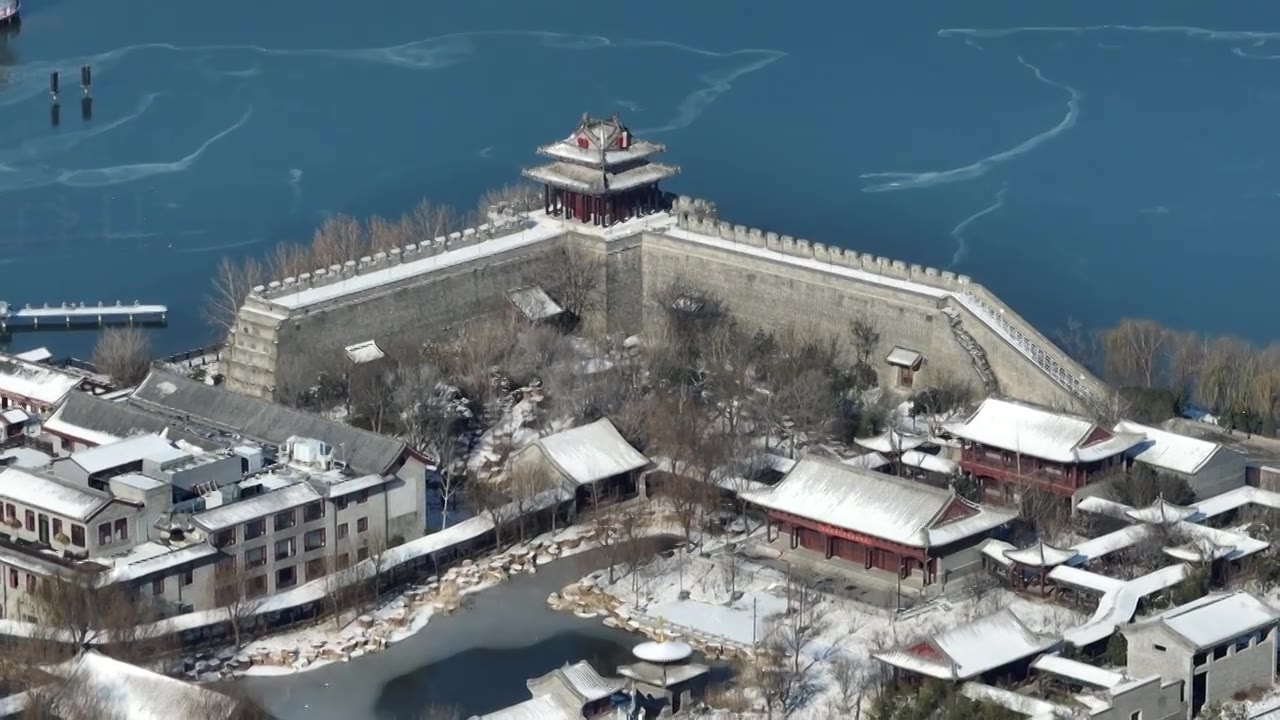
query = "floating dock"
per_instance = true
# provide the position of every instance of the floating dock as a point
(70, 316)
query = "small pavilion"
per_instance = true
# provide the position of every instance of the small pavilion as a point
(601, 174)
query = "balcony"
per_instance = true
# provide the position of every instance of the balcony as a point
(1027, 475)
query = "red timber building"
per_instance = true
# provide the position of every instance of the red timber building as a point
(875, 520)
(601, 174)
(1011, 446)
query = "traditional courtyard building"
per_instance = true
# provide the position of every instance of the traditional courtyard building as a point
(879, 521)
(998, 644)
(1209, 468)
(601, 174)
(1011, 446)
(593, 461)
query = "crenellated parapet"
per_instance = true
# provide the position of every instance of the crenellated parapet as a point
(503, 222)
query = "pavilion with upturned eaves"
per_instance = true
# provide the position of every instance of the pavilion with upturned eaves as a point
(601, 174)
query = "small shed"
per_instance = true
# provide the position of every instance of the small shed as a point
(907, 362)
(594, 461)
(363, 353)
(534, 304)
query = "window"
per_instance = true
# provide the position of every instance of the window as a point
(286, 577)
(1135, 715)
(315, 568)
(342, 531)
(77, 535)
(1243, 643)
(362, 553)
(313, 540)
(313, 511)
(122, 529)
(362, 525)
(1219, 652)
(157, 586)
(186, 578)
(342, 562)
(104, 534)
(362, 497)
(1161, 648)
(13, 578)
(340, 503)
(1200, 658)
(10, 511)
(57, 526)
(255, 529)
(285, 549)
(226, 538)
(31, 521)
(31, 583)
(256, 557)
(255, 586)
(285, 520)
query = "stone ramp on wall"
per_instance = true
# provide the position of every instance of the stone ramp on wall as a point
(971, 346)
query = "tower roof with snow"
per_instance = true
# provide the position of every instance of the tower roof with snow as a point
(601, 156)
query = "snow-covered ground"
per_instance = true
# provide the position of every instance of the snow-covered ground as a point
(849, 628)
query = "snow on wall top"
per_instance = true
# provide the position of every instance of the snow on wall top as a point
(871, 503)
(37, 491)
(1215, 619)
(591, 452)
(972, 649)
(1170, 451)
(1041, 433)
(40, 383)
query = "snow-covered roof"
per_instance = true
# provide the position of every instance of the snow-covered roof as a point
(1233, 543)
(1081, 578)
(662, 652)
(152, 557)
(590, 453)
(588, 683)
(891, 441)
(1082, 673)
(41, 383)
(1041, 554)
(103, 688)
(866, 461)
(599, 181)
(364, 352)
(98, 421)
(1029, 430)
(1103, 506)
(1215, 619)
(1168, 450)
(1033, 707)
(872, 503)
(1161, 512)
(1111, 542)
(534, 303)
(141, 447)
(971, 649)
(1117, 606)
(543, 707)
(931, 463)
(46, 493)
(995, 549)
(15, 416)
(902, 357)
(26, 457)
(35, 355)
(242, 511)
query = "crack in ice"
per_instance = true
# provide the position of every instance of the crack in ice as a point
(962, 246)
(889, 181)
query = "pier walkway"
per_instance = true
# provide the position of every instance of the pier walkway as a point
(70, 315)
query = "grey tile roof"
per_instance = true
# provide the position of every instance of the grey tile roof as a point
(181, 398)
(81, 410)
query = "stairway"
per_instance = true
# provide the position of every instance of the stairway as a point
(971, 346)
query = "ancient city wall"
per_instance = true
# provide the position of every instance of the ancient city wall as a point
(770, 280)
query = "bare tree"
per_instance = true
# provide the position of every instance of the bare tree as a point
(432, 416)
(732, 568)
(1133, 351)
(809, 403)
(526, 482)
(124, 354)
(519, 196)
(1187, 352)
(238, 596)
(1225, 382)
(289, 260)
(232, 283)
(1081, 343)
(71, 607)
(850, 681)
(579, 281)
(604, 524)
(486, 499)
(341, 238)
(430, 221)
(866, 339)
(384, 234)
(373, 396)
(374, 548)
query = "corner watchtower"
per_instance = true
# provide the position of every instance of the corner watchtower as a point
(601, 174)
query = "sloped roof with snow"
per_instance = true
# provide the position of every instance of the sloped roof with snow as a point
(97, 421)
(542, 707)
(364, 352)
(931, 463)
(590, 453)
(1029, 430)
(1215, 618)
(872, 503)
(1083, 673)
(891, 441)
(1041, 554)
(41, 383)
(588, 683)
(47, 493)
(1160, 512)
(182, 398)
(241, 511)
(971, 649)
(1170, 451)
(534, 303)
(1118, 605)
(116, 690)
